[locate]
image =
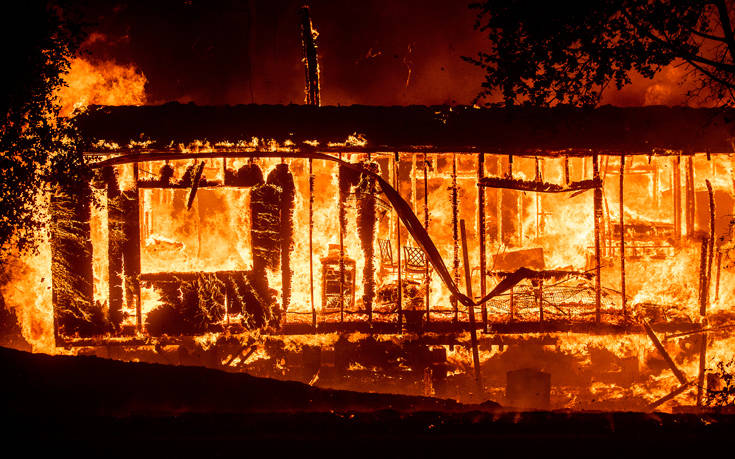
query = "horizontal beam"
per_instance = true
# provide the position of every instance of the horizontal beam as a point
(538, 186)
(388, 150)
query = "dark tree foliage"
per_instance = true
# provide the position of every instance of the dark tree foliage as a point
(37, 149)
(547, 53)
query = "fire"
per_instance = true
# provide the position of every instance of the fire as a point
(102, 83)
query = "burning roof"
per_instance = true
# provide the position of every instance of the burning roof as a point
(435, 128)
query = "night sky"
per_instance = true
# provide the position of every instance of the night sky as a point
(376, 52)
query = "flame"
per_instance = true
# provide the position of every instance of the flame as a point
(103, 83)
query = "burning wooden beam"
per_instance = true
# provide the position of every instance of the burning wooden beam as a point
(660, 348)
(538, 186)
(195, 185)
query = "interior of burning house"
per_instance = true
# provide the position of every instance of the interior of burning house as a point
(542, 258)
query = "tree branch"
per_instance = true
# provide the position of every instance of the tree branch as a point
(679, 52)
(726, 27)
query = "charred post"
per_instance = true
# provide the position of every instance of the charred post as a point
(427, 278)
(131, 248)
(597, 217)
(281, 177)
(471, 309)
(366, 228)
(115, 243)
(622, 238)
(311, 63)
(455, 233)
(481, 233)
(677, 197)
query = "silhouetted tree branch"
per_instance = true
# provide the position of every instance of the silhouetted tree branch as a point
(558, 52)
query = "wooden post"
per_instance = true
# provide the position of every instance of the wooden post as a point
(115, 235)
(471, 309)
(342, 218)
(677, 197)
(540, 298)
(414, 205)
(499, 205)
(597, 217)
(711, 253)
(622, 239)
(705, 276)
(427, 277)
(690, 205)
(311, 244)
(396, 185)
(511, 306)
(455, 233)
(132, 251)
(567, 178)
(481, 233)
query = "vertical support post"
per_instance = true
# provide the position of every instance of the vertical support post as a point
(703, 295)
(341, 260)
(455, 234)
(499, 205)
(597, 217)
(311, 244)
(711, 253)
(115, 235)
(520, 218)
(481, 233)
(138, 312)
(414, 204)
(690, 208)
(622, 239)
(538, 199)
(540, 299)
(677, 197)
(399, 283)
(567, 179)
(512, 305)
(427, 277)
(471, 308)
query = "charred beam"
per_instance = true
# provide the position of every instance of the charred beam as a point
(664, 354)
(195, 185)
(538, 186)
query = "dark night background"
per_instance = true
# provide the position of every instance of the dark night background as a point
(375, 52)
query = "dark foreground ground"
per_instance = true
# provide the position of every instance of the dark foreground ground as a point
(91, 407)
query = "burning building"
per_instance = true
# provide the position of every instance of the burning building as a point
(353, 246)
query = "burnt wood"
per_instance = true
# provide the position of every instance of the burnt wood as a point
(543, 131)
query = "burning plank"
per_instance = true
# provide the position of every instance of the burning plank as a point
(538, 186)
